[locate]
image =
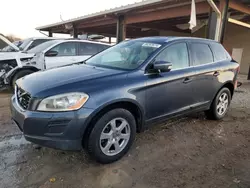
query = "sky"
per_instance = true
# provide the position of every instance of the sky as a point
(21, 17)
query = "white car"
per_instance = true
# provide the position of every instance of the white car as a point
(24, 45)
(12, 53)
(52, 54)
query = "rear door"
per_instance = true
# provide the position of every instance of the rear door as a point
(67, 54)
(207, 71)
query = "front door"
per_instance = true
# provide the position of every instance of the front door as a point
(66, 55)
(170, 93)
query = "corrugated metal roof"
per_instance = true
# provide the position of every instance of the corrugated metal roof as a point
(113, 10)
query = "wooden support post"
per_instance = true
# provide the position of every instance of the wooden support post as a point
(248, 74)
(109, 40)
(224, 4)
(50, 34)
(212, 25)
(120, 29)
(75, 32)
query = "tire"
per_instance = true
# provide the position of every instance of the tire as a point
(96, 146)
(18, 75)
(215, 112)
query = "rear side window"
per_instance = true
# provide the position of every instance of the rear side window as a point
(219, 52)
(202, 54)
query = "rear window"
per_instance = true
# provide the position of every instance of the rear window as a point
(219, 52)
(91, 48)
(202, 54)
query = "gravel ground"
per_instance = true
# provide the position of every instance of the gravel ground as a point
(186, 152)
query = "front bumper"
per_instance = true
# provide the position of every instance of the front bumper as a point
(59, 130)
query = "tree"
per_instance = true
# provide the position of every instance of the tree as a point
(12, 38)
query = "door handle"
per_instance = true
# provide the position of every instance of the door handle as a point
(187, 80)
(216, 73)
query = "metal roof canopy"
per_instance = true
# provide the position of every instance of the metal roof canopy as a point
(145, 18)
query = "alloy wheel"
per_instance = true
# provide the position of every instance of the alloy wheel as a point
(222, 104)
(115, 136)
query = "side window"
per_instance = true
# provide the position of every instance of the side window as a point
(65, 49)
(36, 43)
(177, 54)
(219, 52)
(88, 48)
(201, 54)
(102, 47)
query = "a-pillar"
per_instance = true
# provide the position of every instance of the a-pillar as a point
(120, 29)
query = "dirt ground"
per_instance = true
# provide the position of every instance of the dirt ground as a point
(186, 152)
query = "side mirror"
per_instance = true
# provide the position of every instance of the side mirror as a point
(51, 53)
(163, 66)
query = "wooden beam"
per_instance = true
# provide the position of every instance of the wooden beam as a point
(201, 8)
(96, 23)
(239, 6)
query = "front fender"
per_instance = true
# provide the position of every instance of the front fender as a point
(9, 75)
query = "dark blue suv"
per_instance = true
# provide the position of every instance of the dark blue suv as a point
(101, 103)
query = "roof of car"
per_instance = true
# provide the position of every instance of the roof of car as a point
(161, 39)
(35, 38)
(86, 41)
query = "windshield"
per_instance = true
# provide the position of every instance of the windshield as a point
(25, 43)
(42, 46)
(127, 55)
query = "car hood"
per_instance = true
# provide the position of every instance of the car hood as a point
(63, 78)
(14, 55)
(8, 43)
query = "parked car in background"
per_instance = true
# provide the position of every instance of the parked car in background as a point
(64, 52)
(12, 54)
(52, 54)
(100, 105)
(9, 48)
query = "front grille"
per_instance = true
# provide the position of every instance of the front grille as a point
(23, 98)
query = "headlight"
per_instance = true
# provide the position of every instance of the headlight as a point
(26, 59)
(63, 102)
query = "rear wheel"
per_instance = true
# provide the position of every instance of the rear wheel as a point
(112, 136)
(220, 105)
(18, 75)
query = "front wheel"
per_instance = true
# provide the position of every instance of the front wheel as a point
(112, 136)
(220, 105)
